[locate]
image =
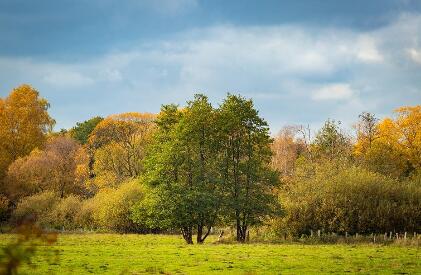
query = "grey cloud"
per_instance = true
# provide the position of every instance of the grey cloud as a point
(295, 74)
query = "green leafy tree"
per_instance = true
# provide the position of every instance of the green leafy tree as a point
(331, 142)
(245, 155)
(182, 166)
(82, 130)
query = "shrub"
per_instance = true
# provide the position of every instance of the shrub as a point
(65, 212)
(38, 207)
(85, 217)
(112, 207)
(340, 198)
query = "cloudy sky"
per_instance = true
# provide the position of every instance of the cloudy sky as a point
(301, 61)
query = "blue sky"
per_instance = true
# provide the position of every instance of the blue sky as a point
(301, 61)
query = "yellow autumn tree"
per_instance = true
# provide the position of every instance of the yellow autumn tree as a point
(395, 149)
(405, 131)
(24, 123)
(118, 145)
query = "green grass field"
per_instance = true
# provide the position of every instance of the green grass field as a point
(144, 254)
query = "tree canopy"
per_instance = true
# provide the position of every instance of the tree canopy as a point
(211, 164)
(24, 124)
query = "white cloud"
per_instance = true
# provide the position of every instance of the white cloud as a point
(338, 91)
(62, 78)
(285, 68)
(415, 55)
(112, 74)
(367, 50)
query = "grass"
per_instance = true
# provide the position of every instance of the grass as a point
(145, 254)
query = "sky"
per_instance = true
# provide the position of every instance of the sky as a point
(301, 62)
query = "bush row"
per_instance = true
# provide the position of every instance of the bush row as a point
(338, 198)
(109, 209)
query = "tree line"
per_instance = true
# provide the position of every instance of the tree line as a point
(196, 167)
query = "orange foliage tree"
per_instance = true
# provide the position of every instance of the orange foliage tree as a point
(287, 147)
(24, 123)
(56, 168)
(118, 146)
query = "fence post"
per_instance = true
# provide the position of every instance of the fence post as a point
(374, 238)
(390, 235)
(397, 236)
(385, 236)
(311, 233)
(346, 235)
(318, 233)
(405, 236)
(221, 235)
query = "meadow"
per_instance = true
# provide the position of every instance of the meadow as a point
(167, 254)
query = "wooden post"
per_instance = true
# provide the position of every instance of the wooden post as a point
(404, 236)
(311, 233)
(374, 238)
(385, 236)
(390, 235)
(356, 235)
(397, 236)
(221, 235)
(318, 233)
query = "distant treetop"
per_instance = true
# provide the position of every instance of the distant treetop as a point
(82, 130)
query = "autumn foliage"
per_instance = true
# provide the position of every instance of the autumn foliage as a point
(193, 168)
(24, 123)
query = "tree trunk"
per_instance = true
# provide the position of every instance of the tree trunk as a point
(187, 234)
(199, 233)
(241, 231)
(201, 239)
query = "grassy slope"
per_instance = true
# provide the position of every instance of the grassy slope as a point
(137, 254)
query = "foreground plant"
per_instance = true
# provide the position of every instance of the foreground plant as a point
(22, 251)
